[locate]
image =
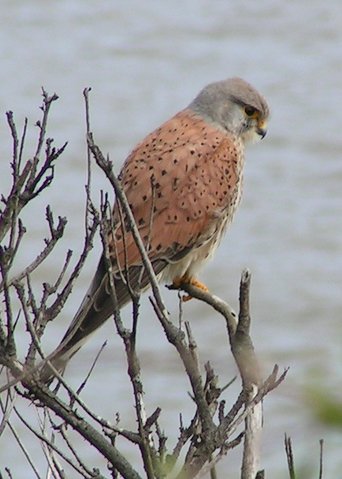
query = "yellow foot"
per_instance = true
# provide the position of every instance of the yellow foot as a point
(185, 279)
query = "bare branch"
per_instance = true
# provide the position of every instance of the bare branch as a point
(7, 410)
(49, 444)
(132, 358)
(224, 450)
(252, 438)
(86, 92)
(215, 302)
(30, 181)
(85, 471)
(289, 456)
(88, 432)
(8, 336)
(47, 102)
(58, 304)
(84, 382)
(320, 474)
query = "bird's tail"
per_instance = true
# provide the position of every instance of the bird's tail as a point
(59, 359)
(97, 306)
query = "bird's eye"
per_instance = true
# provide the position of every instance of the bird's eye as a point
(250, 111)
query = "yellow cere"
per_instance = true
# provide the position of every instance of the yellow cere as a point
(262, 123)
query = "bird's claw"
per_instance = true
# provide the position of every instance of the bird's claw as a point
(179, 281)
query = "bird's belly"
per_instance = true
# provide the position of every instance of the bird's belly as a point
(191, 263)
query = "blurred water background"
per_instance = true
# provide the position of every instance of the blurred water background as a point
(144, 62)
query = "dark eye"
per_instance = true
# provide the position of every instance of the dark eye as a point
(250, 111)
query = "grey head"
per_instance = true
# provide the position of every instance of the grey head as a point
(235, 106)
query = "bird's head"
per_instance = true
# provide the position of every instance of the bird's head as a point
(235, 106)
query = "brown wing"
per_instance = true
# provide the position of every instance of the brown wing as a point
(178, 181)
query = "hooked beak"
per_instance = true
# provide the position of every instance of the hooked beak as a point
(262, 128)
(261, 132)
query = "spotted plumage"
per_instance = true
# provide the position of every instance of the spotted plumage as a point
(183, 183)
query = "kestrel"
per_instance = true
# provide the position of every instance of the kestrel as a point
(183, 183)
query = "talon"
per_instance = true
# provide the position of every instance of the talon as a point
(177, 281)
(185, 279)
(198, 284)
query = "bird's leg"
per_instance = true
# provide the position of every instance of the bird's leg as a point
(178, 281)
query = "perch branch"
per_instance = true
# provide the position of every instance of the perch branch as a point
(85, 429)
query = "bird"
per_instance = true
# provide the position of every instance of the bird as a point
(183, 183)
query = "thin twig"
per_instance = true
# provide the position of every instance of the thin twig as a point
(10, 341)
(58, 304)
(289, 456)
(82, 466)
(85, 429)
(132, 358)
(50, 244)
(84, 382)
(30, 181)
(6, 410)
(321, 443)
(45, 440)
(21, 146)
(215, 460)
(86, 92)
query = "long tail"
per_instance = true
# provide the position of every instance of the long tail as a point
(97, 306)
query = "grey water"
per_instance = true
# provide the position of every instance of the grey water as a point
(145, 61)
